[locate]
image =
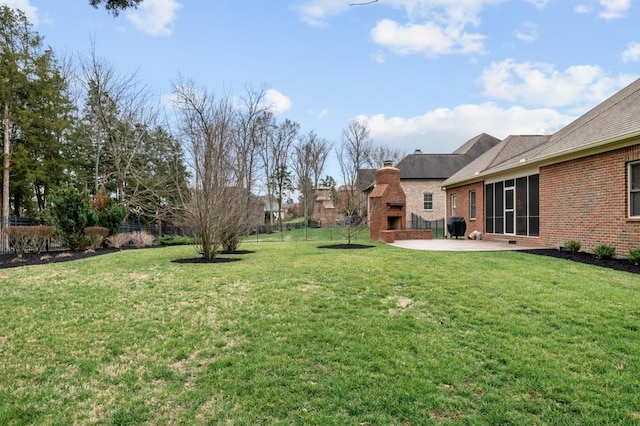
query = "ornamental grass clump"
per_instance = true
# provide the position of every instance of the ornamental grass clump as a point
(142, 239)
(605, 252)
(120, 240)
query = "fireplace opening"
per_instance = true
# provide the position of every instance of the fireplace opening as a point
(394, 223)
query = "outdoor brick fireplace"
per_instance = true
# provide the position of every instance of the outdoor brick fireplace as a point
(387, 209)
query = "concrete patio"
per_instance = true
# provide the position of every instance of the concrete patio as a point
(451, 244)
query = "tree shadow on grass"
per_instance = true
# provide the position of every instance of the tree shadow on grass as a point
(202, 260)
(346, 246)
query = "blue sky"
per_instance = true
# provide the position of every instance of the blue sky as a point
(425, 74)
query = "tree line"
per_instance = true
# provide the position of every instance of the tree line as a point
(78, 124)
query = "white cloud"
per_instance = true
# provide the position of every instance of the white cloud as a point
(316, 12)
(154, 17)
(427, 38)
(444, 129)
(29, 10)
(632, 53)
(540, 4)
(432, 27)
(614, 8)
(277, 101)
(582, 9)
(528, 32)
(541, 84)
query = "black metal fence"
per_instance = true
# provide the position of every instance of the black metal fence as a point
(438, 225)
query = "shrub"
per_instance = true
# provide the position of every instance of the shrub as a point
(19, 236)
(142, 239)
(634, 256)
(119, 240)
(71, 212)
(29, 238)
(110, 214)
(573, 246)
(605, 252)
(95, 236)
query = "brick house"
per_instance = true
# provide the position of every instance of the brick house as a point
(422, 176)
(580, 183)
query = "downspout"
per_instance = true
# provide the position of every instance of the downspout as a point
(446, 209)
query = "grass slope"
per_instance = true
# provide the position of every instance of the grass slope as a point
(294, 334)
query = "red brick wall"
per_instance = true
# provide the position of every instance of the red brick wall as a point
(586, 200)
(462, 202)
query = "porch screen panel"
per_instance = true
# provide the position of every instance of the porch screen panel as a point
(534, 205)
(499, 208)
(521, 206)
(488, 209)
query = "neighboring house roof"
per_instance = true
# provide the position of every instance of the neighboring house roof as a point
(270, 203)
(365, 178)
(442, 166)
(615, 119)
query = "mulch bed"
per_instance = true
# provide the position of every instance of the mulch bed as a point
(28, 259)
(588, 258)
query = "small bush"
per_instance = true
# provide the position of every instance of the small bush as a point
(142, 239)
(119, 240)
(29, 238)
(95, 236)
(41, 236)
(634, 256)
(573, 246)
(605, 252)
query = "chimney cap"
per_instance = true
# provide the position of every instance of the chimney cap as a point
(418, 151)
(387, 163)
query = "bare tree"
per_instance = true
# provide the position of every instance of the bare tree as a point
(380, 154)
(244, 157)
(277, 143)
(120, 111)
(207, 124)
(352, 156)
(309, 158)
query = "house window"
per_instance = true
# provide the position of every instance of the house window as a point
(427, 201)
(454, 209)
(472, 204)
(634, 189)
(512, 206)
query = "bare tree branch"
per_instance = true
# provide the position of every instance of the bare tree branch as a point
(364, 3)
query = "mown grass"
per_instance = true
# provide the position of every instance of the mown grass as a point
(294, 334)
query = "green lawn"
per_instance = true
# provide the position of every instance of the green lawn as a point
(294, 334)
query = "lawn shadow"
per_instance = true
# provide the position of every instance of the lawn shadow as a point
(346, 246)
(202, 260)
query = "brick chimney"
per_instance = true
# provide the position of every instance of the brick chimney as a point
(387, 202)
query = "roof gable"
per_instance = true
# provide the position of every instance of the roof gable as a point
(442, 166)
(510, 151)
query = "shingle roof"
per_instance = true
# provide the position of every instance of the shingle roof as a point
(442, 166)
(617, 116)
(613, 119)
(506, 153)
